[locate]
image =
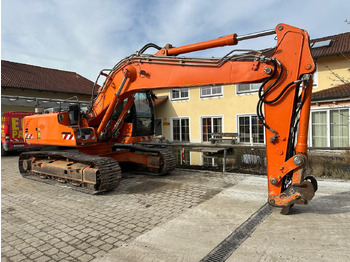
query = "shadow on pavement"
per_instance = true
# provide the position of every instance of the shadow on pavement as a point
(338, 203)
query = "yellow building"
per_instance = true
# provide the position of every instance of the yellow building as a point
(192, 114)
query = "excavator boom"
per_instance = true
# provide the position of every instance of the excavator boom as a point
(122, 112)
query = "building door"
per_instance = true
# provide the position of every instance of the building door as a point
(210, 125)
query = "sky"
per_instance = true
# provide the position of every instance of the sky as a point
(86, 36)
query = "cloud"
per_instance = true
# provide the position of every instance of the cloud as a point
(64, 34)
(87, 36)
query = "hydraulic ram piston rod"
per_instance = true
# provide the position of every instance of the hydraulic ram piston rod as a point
(257, 34)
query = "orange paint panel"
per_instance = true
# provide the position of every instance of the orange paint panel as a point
(46, 130)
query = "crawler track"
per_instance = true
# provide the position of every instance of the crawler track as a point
(167, 156)
(107, 170)
(88, 173)
(169, 160)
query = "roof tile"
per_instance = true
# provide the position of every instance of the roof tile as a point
(339, 44)
(17, 75)
(341, 91)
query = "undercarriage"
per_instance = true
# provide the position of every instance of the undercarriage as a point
(94, 174)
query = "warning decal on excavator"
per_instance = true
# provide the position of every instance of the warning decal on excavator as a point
(67, 136)
(29, 136)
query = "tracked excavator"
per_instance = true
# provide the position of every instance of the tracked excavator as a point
(108, 134)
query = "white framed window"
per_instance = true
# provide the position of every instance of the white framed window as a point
(211, 91)
(179, 94)
(330, 127)
(248, 88)
(250, 129)
(180, 129)
(211, 124)
(319, 128)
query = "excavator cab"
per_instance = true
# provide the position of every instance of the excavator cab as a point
(140, 117)
(143, 120)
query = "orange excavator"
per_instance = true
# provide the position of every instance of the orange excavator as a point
(108, 134)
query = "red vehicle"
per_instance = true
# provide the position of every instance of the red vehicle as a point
(12, 132)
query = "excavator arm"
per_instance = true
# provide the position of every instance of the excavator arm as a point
(283, 107)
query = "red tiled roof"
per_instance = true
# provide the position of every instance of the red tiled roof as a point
(16, 75)
(339, 44)
(342, 91)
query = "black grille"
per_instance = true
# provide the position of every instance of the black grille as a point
(225, 249)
